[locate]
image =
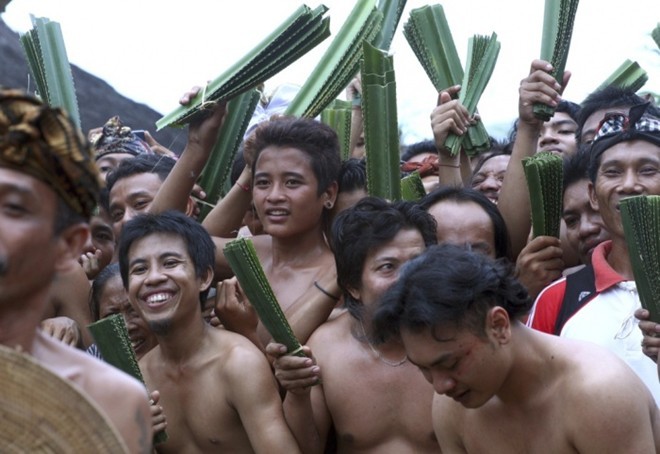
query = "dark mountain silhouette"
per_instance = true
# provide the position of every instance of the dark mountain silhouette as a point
(97, 101)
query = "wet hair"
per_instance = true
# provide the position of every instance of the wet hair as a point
(352, 175)
(144, 163)
(576, 165)
(465, 195)
(606, 98)
(417, 148)
(367, 225)
(98, 286)
(199, 244)
(448, 285)
(317, 140)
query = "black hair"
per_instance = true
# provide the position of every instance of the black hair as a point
(500, 149)
(423, 146)
(352, 175)
(143, 163)
(576, 165)
(98, 286)
(463, 195)
(448, 285)
(609, 97)
(317, 140)
(369, 224)
(570, 108)
(199, 244)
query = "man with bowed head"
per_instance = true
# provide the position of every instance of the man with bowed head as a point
(502, 387)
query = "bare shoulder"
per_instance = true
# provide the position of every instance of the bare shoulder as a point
(448, 420)
(331, 333)
(238, 354)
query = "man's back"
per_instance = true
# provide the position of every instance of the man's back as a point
(123, 399)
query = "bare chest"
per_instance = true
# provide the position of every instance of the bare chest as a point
(374, 405)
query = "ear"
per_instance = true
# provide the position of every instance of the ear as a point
(70, 245)
(355, 293)
(330, 194)
(205, 279)
(593, 200)
(498, 325)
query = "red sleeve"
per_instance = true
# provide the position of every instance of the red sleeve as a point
(546, 309)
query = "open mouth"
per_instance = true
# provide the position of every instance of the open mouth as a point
(155, 300)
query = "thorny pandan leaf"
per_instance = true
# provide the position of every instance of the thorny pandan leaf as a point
(544, 174)
(628, 75)
(243, 259)
(301, 32)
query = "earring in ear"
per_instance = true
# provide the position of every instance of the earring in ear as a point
(328, 205)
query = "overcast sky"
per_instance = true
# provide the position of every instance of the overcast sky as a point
(152, 51)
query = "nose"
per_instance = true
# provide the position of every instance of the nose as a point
(630, 183)
(588, 226)
(89, 246)
(275, 192)
(491, 183)
(442, 382)
(547, 137)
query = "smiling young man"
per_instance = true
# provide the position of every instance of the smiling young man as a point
(624, 161)
(372, 397)
(216, 388)
(501, 387)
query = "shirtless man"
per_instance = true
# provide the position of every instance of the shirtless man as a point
(500, 386)
(216, 388)
(374, 398)
(48, 189)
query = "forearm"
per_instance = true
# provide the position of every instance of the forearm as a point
(449, 169)
(300, 419)
(175, 190)
(313, 308)
(514, 202)
(227, 215)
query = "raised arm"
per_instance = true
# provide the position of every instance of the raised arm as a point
(449, 116)
(513, 201)
(202, 135)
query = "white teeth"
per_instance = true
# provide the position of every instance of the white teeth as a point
(277, 212)
(157, 298)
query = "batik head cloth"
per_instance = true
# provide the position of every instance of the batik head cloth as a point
(117, 138)
(44, 143)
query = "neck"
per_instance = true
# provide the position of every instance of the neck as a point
(19, 322)
(299, 249)
(391, 353)
(619, 258)
(183, 341)
(530, 369)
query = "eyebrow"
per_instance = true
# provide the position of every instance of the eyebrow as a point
(162, 256)
(288, 174)
(562, 123)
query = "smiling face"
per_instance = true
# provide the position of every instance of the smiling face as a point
(114, 300)
(584, 226)
(626, 169)
(558, 134)
(456, 362)
(383, 263)
(131, 196)
(285, 192)
(488, 179)
(162, 283)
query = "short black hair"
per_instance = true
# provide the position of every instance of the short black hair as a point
(98, 286)
(460, 194)
(369, 224)
(144, 163)
(200, 246)
(448, 285)
(317, 140)
(576, 165)
(352, 175)
(423, 146)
